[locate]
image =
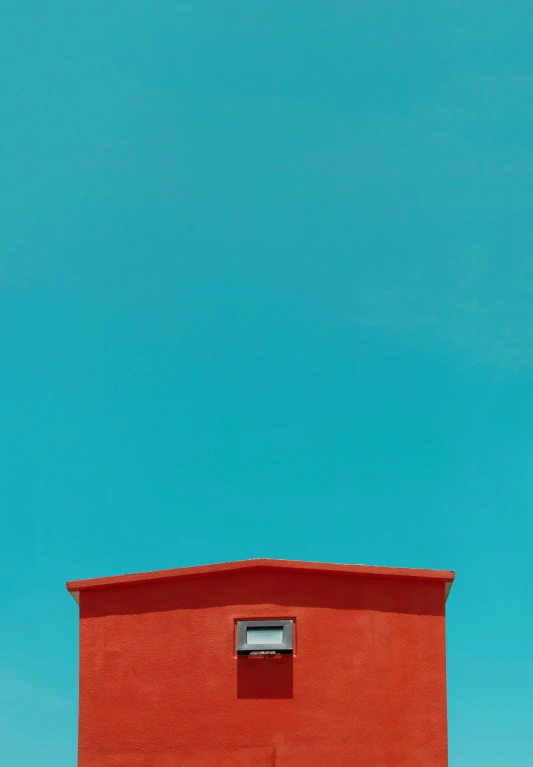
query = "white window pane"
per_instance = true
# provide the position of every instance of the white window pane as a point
(264, 635)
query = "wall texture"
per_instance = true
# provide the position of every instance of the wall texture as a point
(160, 685)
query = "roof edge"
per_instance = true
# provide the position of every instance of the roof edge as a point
(443, 576)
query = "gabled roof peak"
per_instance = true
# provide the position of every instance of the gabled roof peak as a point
(444, 576)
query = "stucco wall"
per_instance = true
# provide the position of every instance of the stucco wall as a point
(160, 685)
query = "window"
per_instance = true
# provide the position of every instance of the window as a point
(267, 635)
(271, 636)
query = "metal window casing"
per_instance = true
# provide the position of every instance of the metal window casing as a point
(286, 646)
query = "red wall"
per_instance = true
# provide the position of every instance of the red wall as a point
(160, 685)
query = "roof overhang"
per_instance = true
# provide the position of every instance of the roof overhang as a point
(446, 577)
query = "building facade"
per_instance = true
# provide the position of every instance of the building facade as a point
(264, 663)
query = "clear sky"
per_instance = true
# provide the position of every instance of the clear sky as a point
(266, 286)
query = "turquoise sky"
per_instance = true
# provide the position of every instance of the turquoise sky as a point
(266, 286)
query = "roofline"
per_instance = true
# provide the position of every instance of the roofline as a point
(444, 576)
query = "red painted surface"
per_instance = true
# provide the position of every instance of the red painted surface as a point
(446, 576)
(160, 685)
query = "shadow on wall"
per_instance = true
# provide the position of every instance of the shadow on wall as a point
(337, 591)
(264, 677)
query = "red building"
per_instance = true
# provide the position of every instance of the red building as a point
(264, 663)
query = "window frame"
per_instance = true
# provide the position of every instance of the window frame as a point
(286, 646)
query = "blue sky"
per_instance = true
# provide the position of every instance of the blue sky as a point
(266, 290)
